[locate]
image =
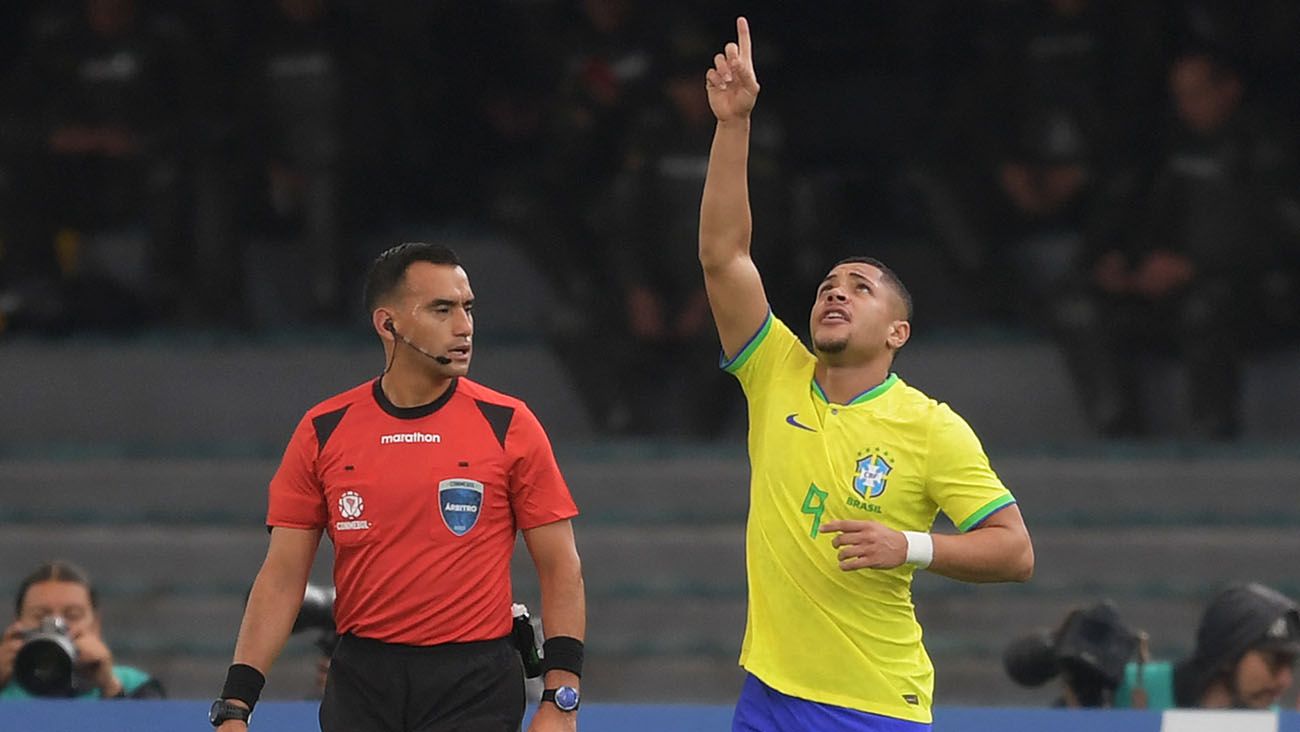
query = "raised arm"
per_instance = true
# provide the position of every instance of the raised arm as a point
(730, 277)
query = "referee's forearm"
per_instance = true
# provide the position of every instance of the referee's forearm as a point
(268, 618)
(564, 604)
(564, 612)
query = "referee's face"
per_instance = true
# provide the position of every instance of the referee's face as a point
(436, 314)
(856, 315)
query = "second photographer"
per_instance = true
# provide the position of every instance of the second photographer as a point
(1088, 652)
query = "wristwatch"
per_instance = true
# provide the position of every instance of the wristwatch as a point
(565, 698)
(223, 710)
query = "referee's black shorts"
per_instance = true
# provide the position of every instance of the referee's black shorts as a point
(455, 687)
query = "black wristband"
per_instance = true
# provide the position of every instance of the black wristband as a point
(243, 682)
(562, 653)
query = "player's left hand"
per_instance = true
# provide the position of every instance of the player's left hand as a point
(550, 719)
(866, 544)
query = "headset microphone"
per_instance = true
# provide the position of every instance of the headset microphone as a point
(388, 325)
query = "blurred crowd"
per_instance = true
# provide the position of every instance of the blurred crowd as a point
(1122, 176)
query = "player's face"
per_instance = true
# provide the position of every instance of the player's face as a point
(857, 315)
(67, 600)
(1262, 677)
(436, 314)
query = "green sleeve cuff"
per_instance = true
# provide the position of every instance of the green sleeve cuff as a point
(739, 360)
(988, 509)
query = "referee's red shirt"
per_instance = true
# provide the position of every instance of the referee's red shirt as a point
(422, 505)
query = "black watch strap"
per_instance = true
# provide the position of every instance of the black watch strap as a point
(222, 710)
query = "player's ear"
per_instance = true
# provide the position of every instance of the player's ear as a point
(899, 332)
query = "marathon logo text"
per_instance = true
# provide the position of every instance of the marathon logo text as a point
(401, 437)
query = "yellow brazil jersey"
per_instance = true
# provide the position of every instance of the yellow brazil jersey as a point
(892, 455)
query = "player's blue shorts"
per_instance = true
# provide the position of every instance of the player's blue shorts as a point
(764, 709)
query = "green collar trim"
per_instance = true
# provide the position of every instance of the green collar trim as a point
(865, 396)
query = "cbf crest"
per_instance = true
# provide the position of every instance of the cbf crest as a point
(871, 473)
(459, 501)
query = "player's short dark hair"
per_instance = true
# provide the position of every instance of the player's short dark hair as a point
(889, 276)
(387, 270)
(55, 571)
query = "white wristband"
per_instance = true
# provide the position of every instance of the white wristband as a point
(920, 549)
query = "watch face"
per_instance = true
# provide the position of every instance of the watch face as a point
(566, 698)
(222, 710)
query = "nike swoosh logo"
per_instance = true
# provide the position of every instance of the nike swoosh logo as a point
(790, 420)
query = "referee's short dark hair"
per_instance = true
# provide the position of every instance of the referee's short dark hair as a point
(387, 270)
(55, 571)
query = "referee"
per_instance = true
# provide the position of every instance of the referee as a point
(421, 478)
(849, 468)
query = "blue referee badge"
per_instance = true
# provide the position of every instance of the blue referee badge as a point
(459, 502)
(871, 472)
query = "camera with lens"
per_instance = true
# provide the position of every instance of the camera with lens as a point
(1088, 651)
(47, 660)
(317, 613)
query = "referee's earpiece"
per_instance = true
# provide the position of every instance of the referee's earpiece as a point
(388, 326)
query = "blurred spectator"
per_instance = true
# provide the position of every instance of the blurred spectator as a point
(58, 601)
(1055, 198)
(99, 140)
(605, 60)
(669, 330)
(1246, 649)
(296, 82)
(1099, 60)
(1039, 147)
(606, 76)
(1191, 274)
(1016, 137)
(463, 119)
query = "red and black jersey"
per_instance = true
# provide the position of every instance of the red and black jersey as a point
(422, 504)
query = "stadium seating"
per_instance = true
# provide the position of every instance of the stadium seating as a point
(147, 462)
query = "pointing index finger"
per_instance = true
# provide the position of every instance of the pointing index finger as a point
(742, 37)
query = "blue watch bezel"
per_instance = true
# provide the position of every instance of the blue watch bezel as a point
(565, 698)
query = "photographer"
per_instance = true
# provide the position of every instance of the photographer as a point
(1090, 653)
(1246, 648)
(54, 647)
(317, 615)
